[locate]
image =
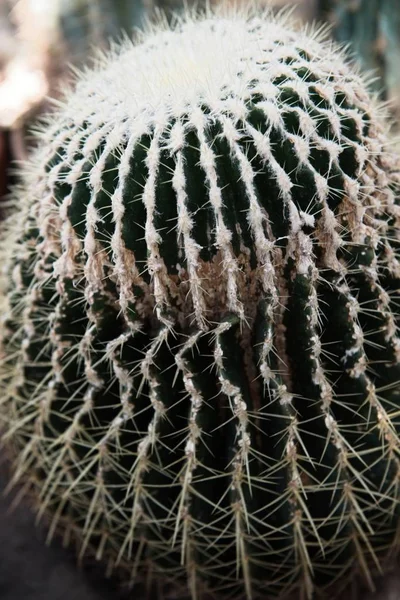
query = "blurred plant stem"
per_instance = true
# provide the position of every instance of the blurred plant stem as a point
(94, 22)
(372, 30)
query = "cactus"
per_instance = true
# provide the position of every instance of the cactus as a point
(200, 354)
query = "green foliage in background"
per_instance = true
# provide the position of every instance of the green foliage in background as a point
(372, 30)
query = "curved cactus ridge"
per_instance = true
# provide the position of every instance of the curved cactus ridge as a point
(200, 351)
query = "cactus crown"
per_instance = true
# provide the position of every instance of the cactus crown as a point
(200, 353)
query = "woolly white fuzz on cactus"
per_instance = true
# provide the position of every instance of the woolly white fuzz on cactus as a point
(200, 350)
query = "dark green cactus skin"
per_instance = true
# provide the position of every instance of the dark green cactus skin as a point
(221, 411)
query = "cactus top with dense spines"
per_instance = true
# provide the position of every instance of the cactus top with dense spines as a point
(200, 344)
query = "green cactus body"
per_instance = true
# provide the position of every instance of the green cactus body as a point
(200, 348)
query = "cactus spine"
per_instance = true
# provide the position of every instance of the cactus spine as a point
(200, 352)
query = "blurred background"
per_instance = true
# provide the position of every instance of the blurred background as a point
(39, 41)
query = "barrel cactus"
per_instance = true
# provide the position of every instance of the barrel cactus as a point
(200, 354)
